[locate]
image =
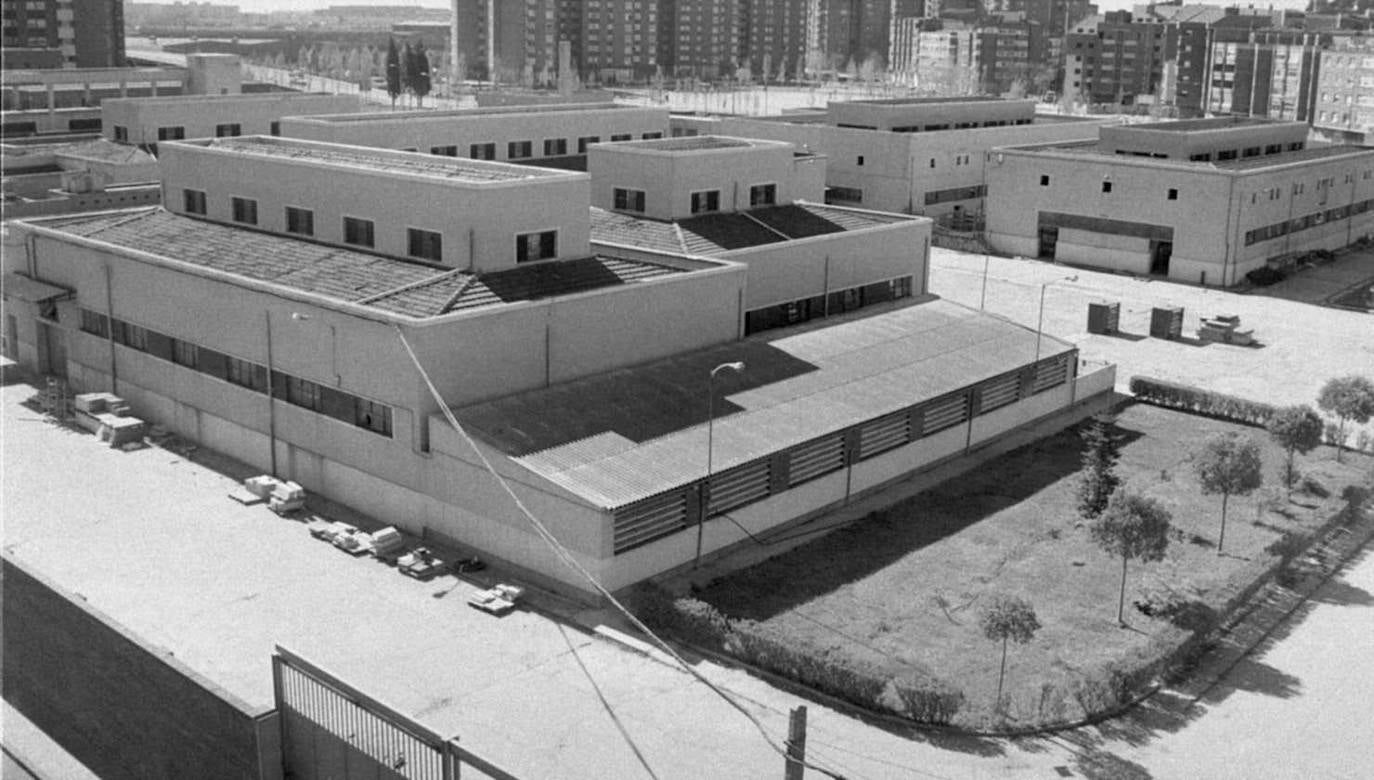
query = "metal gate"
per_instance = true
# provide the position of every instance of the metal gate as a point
(332, 731)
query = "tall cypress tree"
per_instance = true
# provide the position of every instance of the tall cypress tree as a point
(420, 73)
(393, 71)
(1101, 451)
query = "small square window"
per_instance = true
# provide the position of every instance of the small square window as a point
(444, 151)
(706, 200)
(194, 201)
(860, 160)
(651, 136)
(1044, 180)
(425, 244)
(621, 137)
(555, 147)
(482, 151)
(1173, 194)
(1106, 186)
(121, 134)
(245, 210)
(274, 128)
(518, 150)
(763, 195)
(300, 221)
(171, 133)
(357, 232)
(228, 131)
(629, 200)
(536, 246)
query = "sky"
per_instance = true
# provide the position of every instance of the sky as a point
(310, 5)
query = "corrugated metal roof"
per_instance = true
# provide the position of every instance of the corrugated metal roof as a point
(620, 437)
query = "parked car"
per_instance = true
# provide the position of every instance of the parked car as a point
(498, 600)
(387, 545)
(327, 530)
(421, 563)
(352, 541)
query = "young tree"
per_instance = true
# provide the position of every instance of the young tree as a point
(1228, 464)
(1135, 528)
(393, 72)
(1348, 398)
(1008, 618)
(1296, 429)
(1101, 451)
(407, 68)
(419, 73)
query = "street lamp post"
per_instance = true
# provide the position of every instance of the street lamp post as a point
(710, 432)
(1040, 321)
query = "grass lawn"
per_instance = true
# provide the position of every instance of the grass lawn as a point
(902, 590)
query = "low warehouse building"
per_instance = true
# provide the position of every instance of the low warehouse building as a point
(1203, 201)
(254, 319)
(908, 155)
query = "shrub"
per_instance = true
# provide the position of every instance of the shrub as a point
(1196, 399)
(1265, 276)
(928, 700)
(1289, 546)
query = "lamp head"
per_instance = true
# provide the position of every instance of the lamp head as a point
(737, 365)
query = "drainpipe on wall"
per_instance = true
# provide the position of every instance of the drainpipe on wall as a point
(109, 329)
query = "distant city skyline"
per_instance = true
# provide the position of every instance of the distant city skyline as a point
(313, 5)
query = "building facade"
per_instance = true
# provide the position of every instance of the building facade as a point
(542, 134)
(86, 33)
(913, 155)
(144, 122)
(1203, 201)
(1344, 94)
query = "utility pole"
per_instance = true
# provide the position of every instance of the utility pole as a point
(796, 745)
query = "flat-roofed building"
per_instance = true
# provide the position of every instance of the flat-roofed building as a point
(146, 121)
(1204, 201)
(913, 155)
(540, 134)
(758, 203)
(473, 215)
(80, 174)
(319, 311)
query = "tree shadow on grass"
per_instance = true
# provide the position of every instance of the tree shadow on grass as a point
(782, 583)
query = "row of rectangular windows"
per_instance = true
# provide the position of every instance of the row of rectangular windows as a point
(178, 132)
(625, 199)
(837, 302)
(420, 244)
(519, 150)
(370, 415)
(1280, 229)
(662, 515)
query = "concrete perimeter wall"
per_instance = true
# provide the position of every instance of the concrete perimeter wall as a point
(121, 707)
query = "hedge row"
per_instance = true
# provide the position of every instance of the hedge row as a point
(1196, 399)
(917, 694)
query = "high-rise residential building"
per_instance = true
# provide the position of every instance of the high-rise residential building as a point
(853, 31)
(1267, 73)
(620, 39)
(698, 37)
(517, 41)
(1112, 58)
(1344, 104)
(87, 33)
(941, 59)
(773, 36)
(1010, 53)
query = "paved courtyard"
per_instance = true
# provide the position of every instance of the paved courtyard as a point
(1301, 345)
